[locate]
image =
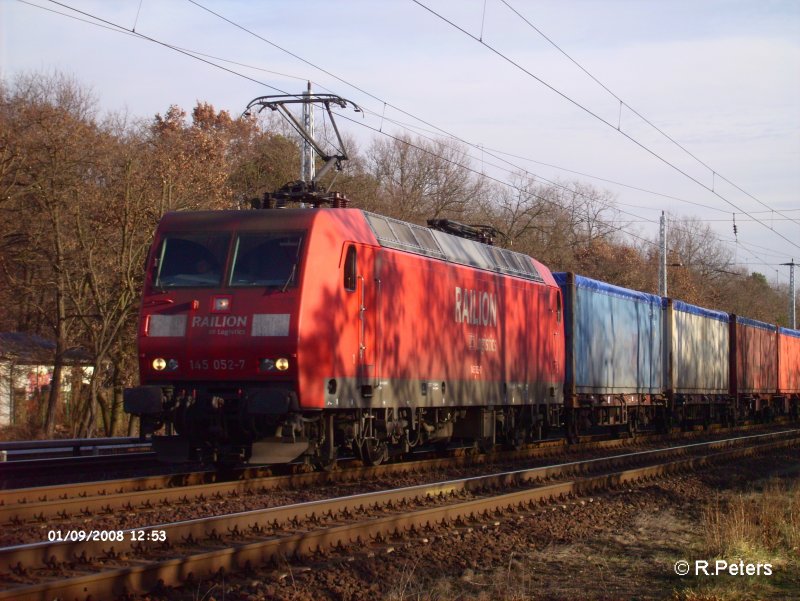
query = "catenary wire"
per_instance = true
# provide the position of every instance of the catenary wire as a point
(167, 45)
(633, 110)
(607, 204)
(599, 118)
(415, 117)
(195, 53)
(120, 29)
(360, 89)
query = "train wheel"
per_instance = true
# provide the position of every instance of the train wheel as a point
(518, 440)
(541, 428)
(514, 431)
(538, 431)
(373, 451)
(327, 452)
(485, 444)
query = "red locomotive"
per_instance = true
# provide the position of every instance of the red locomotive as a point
(266, 335)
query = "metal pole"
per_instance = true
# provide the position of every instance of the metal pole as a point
(307, 168)
(792, 296)
(662, 271)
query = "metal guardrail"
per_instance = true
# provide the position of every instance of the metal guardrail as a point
(29, 449)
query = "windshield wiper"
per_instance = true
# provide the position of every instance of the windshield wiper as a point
(291, 277)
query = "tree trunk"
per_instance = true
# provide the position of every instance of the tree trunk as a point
(116, 401)
(55, 384)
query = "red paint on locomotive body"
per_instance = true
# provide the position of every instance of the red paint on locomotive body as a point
(276, 270)
(209, 326)
(489, 338)
(402, 322)
(266, 335)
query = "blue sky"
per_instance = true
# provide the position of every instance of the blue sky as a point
(720, 77)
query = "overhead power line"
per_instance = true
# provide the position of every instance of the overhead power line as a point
(194, 53)
(122, 29)
(616, 183)
(199, 56)
(608, 205)
(415, 117)
(385, 103)
(160, 43)
(633, 110)
(491, 178)
(598, 117)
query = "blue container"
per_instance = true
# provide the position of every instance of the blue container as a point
(614, 338)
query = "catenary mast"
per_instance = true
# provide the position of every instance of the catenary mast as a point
(792, 295)
(307, 167)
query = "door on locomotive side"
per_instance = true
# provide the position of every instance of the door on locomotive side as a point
(362, 291)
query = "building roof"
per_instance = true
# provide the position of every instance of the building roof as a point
(31, 349)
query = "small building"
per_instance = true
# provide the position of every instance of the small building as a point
(26, 374)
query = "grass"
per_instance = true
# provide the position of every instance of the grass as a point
(756, 525)
(761, 526)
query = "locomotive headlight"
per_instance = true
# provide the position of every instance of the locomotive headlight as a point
(281, 364)
(159, 364)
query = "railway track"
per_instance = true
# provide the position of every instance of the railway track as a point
(40, 504)
(170, 553)
(65, 501)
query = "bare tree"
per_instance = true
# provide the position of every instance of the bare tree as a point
(55, 145)
(418, 179)
(118, 215)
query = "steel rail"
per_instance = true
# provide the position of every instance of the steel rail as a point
(40, 504)
(273, 545)
(60, 492)
(29, 494)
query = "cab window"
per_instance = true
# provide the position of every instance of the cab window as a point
(350, 276)
(269, 259)
(191, 260)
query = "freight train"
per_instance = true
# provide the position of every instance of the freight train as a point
(277, 334)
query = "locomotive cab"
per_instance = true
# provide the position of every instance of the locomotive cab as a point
(218, 334)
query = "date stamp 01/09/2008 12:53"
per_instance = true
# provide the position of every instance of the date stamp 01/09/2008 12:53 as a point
(136, 535)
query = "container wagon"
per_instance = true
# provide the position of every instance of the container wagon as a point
(753, 366)
(698, 370)
(614, 355)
